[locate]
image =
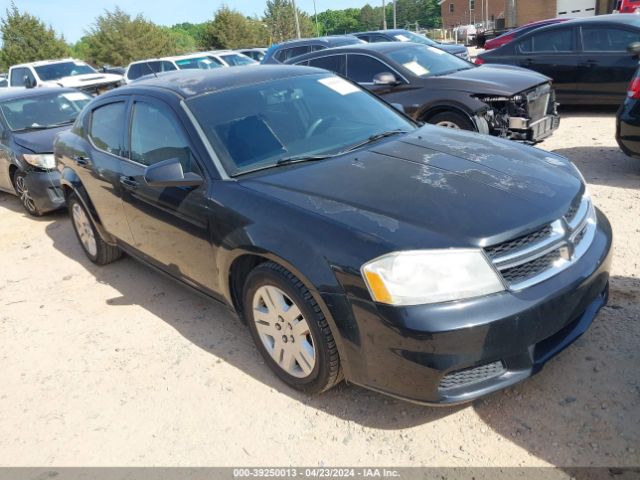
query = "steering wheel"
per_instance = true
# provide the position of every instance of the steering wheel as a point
(320, 122)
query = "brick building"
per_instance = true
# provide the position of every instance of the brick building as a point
(517, 12)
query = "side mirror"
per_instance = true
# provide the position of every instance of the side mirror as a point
(28, 82)
(169, 173)
(634, 48)
(385, 78)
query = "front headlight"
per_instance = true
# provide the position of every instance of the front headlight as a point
(430, 276)
(41, 160)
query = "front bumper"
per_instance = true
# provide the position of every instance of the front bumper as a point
(524, 130)
(455, 352)
(628, 127)
(44, 188)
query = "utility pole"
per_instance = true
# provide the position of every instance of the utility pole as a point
(295, 14)
(395, 23)
(384, 16)
(315, 13)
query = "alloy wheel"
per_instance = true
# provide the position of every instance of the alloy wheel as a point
(24, 195)
(284, 331)
(84, 229)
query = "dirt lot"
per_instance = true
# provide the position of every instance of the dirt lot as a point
(119, 366)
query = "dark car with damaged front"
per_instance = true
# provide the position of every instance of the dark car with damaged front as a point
(435, 87)
(430, 264)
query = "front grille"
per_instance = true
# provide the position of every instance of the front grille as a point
(520, 242)
(535, 257)
(528, 270)
(469, 376)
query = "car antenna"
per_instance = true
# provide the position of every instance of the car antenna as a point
(151, 69)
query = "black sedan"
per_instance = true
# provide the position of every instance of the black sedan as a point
(29, 121)
(401, 35)
(586, 58)
(438, 88)
(430, 264)
(628, 118)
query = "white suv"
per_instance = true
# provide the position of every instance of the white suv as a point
(68, 72)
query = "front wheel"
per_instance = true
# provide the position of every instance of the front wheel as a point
(453, 120)
(98, 251)
(290, 329)
(22, 190)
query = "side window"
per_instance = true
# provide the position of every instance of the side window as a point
(156, 135)
(555, 41)
(362, 68)
(287, 53)
(136, 71)
(377, 39)
(107, 127)
(602, 39)
(315, 48)
(333, 63)
(17, 77)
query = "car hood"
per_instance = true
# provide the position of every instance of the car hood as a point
(493, 80)
(87, 80)
(433, 188)
(38, 141)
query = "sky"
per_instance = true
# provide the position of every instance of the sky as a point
(73, 17)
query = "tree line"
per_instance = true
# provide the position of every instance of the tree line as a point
(118, 38)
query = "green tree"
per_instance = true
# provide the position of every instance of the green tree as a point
(118, 39)
(194, 30)
(279, 17)
(368, 18)
(26, 38)
(231, 29)
(336, 22)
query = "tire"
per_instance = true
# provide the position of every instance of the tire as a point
(22, 191)
(453, 120)
(270, 296)
(98, 251)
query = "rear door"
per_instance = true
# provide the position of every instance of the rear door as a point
(552, 52)
(169, 225)
(605, 66)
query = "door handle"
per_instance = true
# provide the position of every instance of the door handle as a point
(80, 160)
(129, 182)
(589, 63)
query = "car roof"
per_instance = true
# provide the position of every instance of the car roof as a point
(390, 31)
(325, 40)
(47, 62)
(615, 18)
(190, 83)
(379, 47)
(17, 93)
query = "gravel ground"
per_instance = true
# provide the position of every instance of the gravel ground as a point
(120, 366)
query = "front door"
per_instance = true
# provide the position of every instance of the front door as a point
(169, 225)
(605, 66)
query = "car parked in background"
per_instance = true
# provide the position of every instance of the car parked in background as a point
(231, 58)
(401, 35)
(201, 61)
(430, 264)
(281, 52)
(587, 58)
(435, 87)
(628, 117)
(29, 121)
(63, 73)
(516, 33)
(4, 81)
(115, 70)
(627, 6)
(256, 54)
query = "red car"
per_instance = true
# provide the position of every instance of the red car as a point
(517, 32)
(628, 6)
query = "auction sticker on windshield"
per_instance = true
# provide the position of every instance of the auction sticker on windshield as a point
(74, 96)
(339, 85)
(416, 68)
(437, 50)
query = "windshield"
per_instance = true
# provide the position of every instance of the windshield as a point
(234, 60)
(43, 111)
(428, 61)
(55, 71)
(255, 126)
(201, 63)
(408, 36)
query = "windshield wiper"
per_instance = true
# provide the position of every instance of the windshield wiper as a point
(45, 127)
(302, 158)
(374, 138)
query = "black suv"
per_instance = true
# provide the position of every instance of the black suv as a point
(431, 264)
(281, 52)
(401, 35)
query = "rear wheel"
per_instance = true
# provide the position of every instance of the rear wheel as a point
(96, 249)
(290, 329)
(453, 120)
(20, 185)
